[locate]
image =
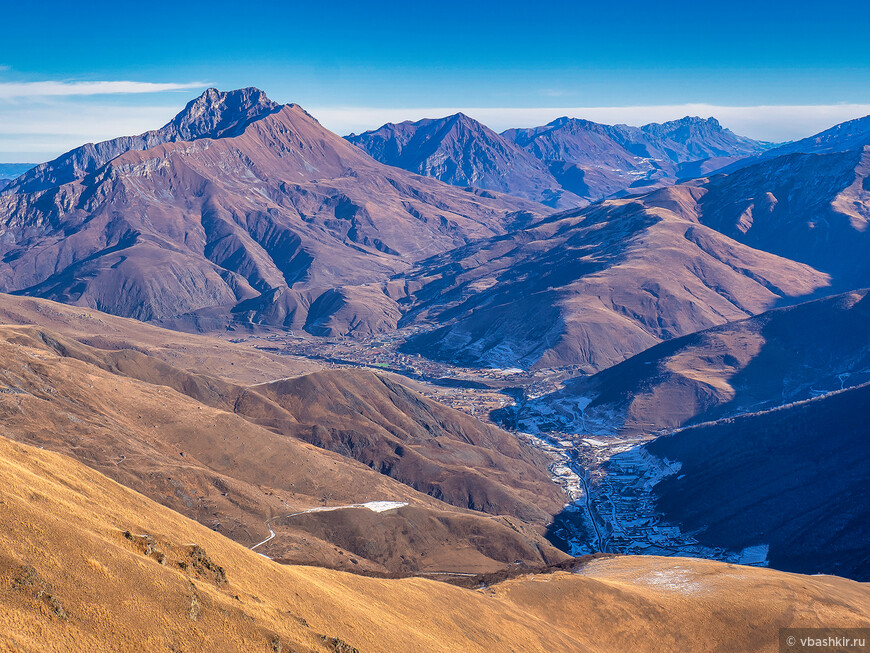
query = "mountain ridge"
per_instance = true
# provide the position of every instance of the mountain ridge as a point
(567, 163)
(249, 227)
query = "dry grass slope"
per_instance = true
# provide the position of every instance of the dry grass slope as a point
(88, 565)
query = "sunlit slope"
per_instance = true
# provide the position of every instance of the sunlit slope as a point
(169, 437)
(72, 579)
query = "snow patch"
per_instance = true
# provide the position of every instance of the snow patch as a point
(374, 506)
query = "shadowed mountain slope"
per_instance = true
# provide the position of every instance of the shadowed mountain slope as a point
(794, 478)
(76, 548)
(252, 220)
(779, 357)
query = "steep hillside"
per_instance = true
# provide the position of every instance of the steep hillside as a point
(794, 478)
(781, 356)
(86, 564)
(813, 208)
(235, 459)
(252, 218)
(603, 283)
(461, 151)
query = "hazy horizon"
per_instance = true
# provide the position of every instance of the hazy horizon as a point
(764, 70)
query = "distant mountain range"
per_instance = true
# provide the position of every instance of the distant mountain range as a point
(567, 163)
(617, 277)
(9, 171)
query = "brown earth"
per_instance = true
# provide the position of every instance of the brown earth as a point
(234, 456)
(602, 283)
(86, 564)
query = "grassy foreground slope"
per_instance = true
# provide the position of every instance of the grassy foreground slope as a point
(89, 565)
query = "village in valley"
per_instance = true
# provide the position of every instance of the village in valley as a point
(609, 478)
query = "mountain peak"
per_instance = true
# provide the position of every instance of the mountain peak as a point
(686, 122)
(217, 113)
(214, 114)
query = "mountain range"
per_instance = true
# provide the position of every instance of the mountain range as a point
(252, 218)
(566, 163)
(693, 293)
(595, 278)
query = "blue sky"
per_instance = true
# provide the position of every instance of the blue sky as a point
(355, 65)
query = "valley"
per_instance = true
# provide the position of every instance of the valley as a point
(609, 479)
(558, 369)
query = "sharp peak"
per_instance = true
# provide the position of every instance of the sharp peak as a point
(690, 120)
(240, 99)
(460, 117)
(215, 113)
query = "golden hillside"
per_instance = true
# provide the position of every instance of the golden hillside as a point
(89, 565)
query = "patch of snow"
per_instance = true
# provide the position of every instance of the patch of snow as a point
(374, 506)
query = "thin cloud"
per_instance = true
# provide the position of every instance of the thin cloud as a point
(32, 131)
(10, 90)
(767, 122)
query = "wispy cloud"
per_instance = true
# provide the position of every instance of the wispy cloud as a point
(9, 90)
(39, 120)
(765, 122)
(35, 132)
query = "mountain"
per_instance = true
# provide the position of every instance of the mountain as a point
(461, 151)
(212, 115)
(792, 478)
(596, 161)
(252, 218)
(89, 565)
(778, 357)
(603, 283)
(237, 457)
(567, 163)
(852, 135)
